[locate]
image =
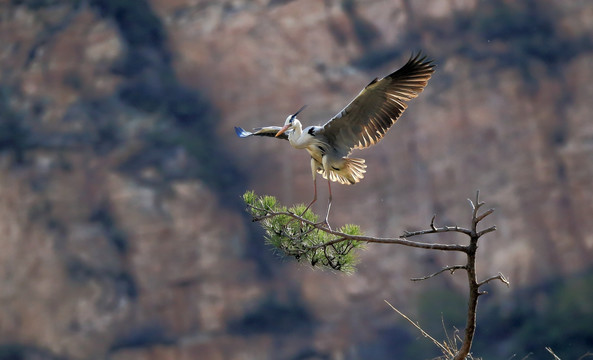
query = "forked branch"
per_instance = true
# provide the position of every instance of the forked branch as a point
(470, 267)
(303, 237)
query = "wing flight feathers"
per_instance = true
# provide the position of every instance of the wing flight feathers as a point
(377, 107)
(270, 131)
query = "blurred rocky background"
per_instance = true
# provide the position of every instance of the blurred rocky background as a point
(122, 234)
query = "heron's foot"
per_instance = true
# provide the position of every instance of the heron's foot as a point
(325, 223)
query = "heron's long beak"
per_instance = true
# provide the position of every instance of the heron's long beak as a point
(281, 131)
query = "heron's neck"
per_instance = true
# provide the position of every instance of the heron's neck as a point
(295, 136)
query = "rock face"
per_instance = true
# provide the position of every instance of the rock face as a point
(120, 172)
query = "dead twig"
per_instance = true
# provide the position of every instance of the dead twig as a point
(551, 352)
(500, 277)
(442, 347)
(451, 269)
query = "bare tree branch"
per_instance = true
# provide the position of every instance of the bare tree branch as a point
(486, 213)
(474, 286)
(444, 349)
(588, 354)
(500, 277)
(435, 230)
(451, 269)
(551, 352)
(486, 231)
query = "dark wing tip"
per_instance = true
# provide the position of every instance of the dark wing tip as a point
(417, 70)
(419, 59)
(241, 132)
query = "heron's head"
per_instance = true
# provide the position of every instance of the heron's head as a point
(290, 122)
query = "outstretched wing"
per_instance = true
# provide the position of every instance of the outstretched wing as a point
(368, 117)
(270, 131)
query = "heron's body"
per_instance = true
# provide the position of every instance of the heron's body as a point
(325, 158)
(359, 125)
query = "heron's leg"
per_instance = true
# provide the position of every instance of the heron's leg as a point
(326, 168)
(329, 203)
(314, 196)
(313, 170)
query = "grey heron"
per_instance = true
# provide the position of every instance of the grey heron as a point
(362, 123)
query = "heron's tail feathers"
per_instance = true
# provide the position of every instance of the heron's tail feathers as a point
(350, 172)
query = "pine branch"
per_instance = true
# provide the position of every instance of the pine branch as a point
(304, 237)
(270, 214)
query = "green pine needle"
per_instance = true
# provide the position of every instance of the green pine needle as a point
(302, 240)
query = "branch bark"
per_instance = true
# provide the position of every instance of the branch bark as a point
(369, 239)
(473, 284)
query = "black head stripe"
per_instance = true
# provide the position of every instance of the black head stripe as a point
(301, 109)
